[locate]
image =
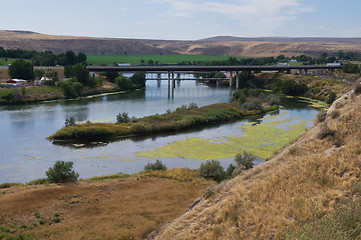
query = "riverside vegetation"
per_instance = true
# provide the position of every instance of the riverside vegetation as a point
(245, 103)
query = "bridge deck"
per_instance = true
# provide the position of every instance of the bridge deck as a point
(205, 68)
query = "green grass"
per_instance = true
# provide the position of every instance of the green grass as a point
(6, 61)
(43, 90)
(136, 59)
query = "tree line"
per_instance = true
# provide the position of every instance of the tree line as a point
(46, 58)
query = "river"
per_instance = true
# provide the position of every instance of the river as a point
(26, 154)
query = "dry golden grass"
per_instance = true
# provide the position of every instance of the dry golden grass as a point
(128, 207)
(306, 178)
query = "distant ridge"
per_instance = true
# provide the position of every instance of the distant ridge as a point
(282, 39)
(217, 46)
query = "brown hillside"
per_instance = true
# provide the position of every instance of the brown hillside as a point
(222, 46)
(307, 177)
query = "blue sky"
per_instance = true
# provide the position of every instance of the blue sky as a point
(184, 19)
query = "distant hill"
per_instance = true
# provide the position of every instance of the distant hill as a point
(219, 46)
(356, 41)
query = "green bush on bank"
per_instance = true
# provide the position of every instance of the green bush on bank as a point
(158, 165)
(62, 172)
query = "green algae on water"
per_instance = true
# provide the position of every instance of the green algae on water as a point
(261, 139)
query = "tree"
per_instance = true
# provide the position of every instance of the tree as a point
(79, 71)
(71, 89)
(111, 76)
(51, 74)
(138, 79)
(340, 54)
(212, 170)
(70, 58)
(39, 73)
(351, 68)
(122, 83)
(70, 122)
(22, 69)
(81, 58)
(62, 172)
(245, 159)
(123, 118)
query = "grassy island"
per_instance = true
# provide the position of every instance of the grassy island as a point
(183, 118)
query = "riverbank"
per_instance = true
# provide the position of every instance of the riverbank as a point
(36, 94)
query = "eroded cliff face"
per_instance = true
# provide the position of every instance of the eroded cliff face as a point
(307, 177)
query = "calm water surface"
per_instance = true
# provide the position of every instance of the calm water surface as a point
(26, 154)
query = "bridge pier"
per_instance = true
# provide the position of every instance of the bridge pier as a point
(173, 80)
(168, 85)
(237, 80)
(230, 79)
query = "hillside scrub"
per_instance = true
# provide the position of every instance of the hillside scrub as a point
(304, 182)
(313, 87)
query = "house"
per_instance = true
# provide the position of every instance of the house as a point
(42, 81)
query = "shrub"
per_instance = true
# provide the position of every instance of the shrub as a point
(238, 170)
(230, 169)
(358, 89)
(351, 68)
(192, 105)
(123, 118)
(245, 159)
(158, 165)
(37, 214)
(70, 122)
(38, 181)
(62, 172)
(8, 185)
(139, 128)
(209, 191)
(122, 83)
(272, 99)
(335, 114)
(212, 170)
(71, 89)
(290, 87)
(254, 104)
(321, 116)
(331, 98)
(324, 132)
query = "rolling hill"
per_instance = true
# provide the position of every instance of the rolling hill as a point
(218, 46)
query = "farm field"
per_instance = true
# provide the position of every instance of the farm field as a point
(136, 59)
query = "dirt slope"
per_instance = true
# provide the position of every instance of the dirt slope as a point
(307, 177)
(222, 46)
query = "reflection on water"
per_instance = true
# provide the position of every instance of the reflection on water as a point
(26, 154)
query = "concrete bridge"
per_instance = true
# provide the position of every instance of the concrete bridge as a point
(195, 69)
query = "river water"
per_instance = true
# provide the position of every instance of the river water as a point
(26, 154)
